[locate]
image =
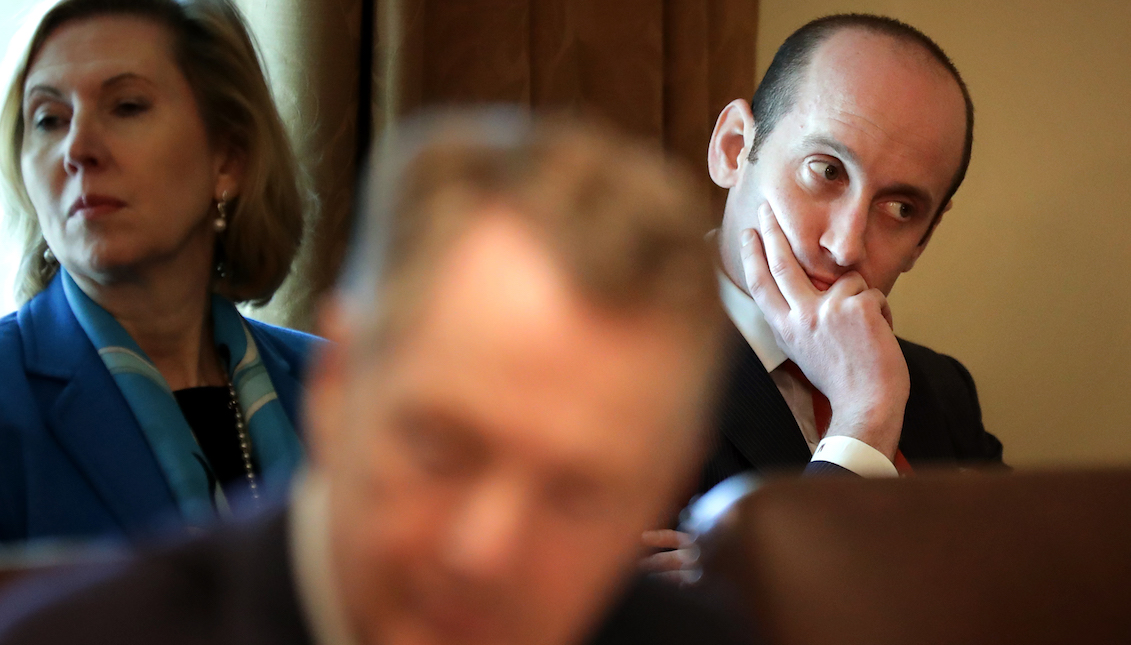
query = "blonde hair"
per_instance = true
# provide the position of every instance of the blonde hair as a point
(218, 57)
(627, 226)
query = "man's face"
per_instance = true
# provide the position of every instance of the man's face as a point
(492, 470)
(857, 170)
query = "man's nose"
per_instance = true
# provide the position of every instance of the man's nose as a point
(490, 531)
(84, 147)
(845, 235)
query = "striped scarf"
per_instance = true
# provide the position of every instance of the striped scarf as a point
(275, 446)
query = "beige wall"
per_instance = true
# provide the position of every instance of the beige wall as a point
(1028, 280)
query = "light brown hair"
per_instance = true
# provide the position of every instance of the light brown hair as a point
(627, 225)
(218, 57)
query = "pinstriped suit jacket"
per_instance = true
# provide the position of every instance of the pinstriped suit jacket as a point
(755, 429)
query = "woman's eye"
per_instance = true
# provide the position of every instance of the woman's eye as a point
(899, 210)
(130, 108)
(47, 122)
(827, 170)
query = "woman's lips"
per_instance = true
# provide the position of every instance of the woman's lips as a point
(94, 206)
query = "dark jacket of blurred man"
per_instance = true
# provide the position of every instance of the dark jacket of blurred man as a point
(518, 386)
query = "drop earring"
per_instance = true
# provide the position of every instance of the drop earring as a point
(48, 255)
(220, 224)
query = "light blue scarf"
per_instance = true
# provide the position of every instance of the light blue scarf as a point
(275, 446)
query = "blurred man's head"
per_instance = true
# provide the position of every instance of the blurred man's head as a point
(520, 384)
(859, 135)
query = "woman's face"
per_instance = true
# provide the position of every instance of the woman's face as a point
(116, 157)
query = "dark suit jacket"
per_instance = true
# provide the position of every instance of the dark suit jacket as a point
(942, 423)
(73, 460)
(235, 587)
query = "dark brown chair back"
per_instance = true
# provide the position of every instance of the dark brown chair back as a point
(1025, 558)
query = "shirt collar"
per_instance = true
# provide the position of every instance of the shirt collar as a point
(751, 323)
(310, 557)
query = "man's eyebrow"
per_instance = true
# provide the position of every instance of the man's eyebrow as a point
(829, 142)
(915, 192)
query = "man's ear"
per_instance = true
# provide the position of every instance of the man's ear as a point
(730, 143)
(926, 238)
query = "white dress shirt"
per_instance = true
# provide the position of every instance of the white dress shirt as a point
(315, 583)
(846, 452)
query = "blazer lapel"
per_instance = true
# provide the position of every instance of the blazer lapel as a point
(285, 375)
(87, 414)
(754, 416)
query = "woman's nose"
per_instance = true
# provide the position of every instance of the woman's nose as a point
(84, 148)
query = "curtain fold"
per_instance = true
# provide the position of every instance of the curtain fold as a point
(660, 69)
(312, 52)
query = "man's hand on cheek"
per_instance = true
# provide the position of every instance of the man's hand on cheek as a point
(841, 339)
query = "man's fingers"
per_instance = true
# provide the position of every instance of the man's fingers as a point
(885, 310)
(681, 578)
(666, 539)
(759, 282)
(791, 279)
(677, 560)
(848, 285)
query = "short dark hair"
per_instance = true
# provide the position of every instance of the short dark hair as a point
(777, 92)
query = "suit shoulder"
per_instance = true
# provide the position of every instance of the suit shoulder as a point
(940, 373)
(12, 361)
(941, 386)
(10, 339)
(295, 346)
(937, 366)
(925, 355)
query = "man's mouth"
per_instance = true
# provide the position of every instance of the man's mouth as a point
(820, 284)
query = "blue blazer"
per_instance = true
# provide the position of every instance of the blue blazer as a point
(73, 460)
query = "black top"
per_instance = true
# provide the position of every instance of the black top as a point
(209, 413)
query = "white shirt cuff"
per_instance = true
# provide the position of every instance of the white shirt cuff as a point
(855, 455)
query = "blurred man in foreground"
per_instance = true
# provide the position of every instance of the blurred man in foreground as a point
(518, 388)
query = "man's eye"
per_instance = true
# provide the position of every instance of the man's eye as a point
(827, 170)
(900, 210)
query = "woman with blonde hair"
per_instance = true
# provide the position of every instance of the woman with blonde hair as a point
(151, 183)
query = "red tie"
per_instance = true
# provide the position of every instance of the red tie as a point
(823, 413)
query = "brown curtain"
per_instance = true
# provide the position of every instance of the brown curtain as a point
(662, 69)
(314, 53)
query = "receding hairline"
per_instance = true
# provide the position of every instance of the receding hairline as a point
(820, 32)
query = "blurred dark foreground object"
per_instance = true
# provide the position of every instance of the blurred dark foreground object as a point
(236, 586)
(1028, 558)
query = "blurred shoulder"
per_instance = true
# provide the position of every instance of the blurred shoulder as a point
(656, 612)
(232, 586)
